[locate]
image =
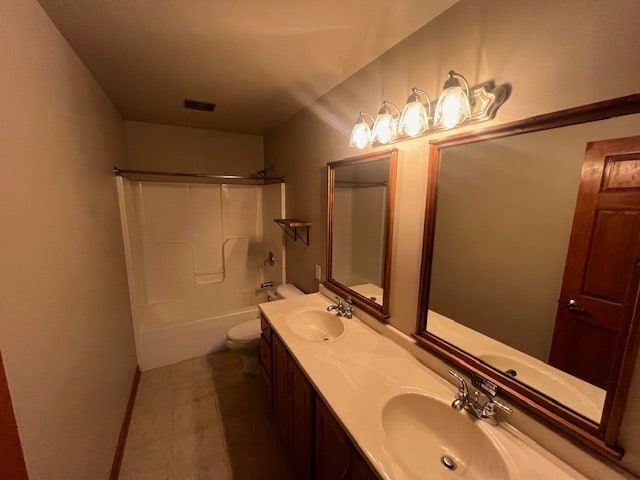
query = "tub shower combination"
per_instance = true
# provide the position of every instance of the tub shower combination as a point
(195, 247)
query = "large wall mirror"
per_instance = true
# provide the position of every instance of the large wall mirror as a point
(361, 193)
(531, 262)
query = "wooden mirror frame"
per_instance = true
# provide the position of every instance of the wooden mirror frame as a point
(602, 436)
(378, 311)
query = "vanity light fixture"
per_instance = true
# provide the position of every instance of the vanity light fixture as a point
(385, 127)
(454, 103)
(415, 117)
(457, 104)
(361, 132)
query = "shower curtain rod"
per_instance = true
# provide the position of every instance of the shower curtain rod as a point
(199, 177)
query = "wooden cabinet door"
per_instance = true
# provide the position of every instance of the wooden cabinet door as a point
(302, 423)
(12, 465)
(600, 285)
(361, 470)
(333, 447)
(282, 398)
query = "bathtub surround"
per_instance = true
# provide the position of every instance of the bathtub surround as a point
(580, 43)
(65, 327)
(195, 260)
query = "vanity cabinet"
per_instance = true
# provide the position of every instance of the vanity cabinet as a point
(266, 361)
(361, 470)
(336, 457)
(333, 447)
(319, 447)
(293, 408)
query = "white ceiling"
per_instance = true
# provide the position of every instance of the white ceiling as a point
(260, 61)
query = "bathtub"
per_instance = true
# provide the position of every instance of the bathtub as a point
(171, 332)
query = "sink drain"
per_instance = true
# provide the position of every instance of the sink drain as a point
(448, 462)
(511, 372)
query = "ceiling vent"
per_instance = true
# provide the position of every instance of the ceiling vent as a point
(197, 105)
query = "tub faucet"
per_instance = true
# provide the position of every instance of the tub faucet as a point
(344, 309)
(271, 259)
(482, 403)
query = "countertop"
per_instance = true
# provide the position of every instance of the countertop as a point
(359, 372)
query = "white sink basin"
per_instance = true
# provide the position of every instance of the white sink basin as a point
(544, 378)
(431, 440)
(315, 324)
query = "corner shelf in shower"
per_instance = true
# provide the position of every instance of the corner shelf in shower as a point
(291, 226)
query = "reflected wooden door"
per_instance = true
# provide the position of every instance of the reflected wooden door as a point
(600, 284)
(12, 466)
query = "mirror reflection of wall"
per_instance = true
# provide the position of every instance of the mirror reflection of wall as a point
(360, 200)
(504, 214)
(359, 226)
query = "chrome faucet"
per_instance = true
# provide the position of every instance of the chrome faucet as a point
(344, 309)
(271, 259)
(482, 403)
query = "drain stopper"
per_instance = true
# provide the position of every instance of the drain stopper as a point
(448, 462)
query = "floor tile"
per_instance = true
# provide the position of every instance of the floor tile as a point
(146, 473)
(218, 471)
(156, 455)
(235, 400)
(149, 428)
(195, 416)
(193, 389)
(151, 399)
(158, 377)
(246, 430)
(260, 465)
(190, 369)
(228, 377)
(203, 419)
(222, 359)
(200, 450)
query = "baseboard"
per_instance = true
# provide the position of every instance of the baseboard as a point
(122, 441)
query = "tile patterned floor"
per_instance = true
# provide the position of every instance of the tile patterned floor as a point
(202, 419)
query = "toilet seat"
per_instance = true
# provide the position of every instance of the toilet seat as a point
(245, 332)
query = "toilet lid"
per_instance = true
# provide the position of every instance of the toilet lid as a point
(245, 331)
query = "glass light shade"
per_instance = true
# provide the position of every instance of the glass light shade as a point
(453, 107)
(384, 130)
(361, 134)
(414, 119)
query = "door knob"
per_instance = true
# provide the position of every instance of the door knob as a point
(573, 307)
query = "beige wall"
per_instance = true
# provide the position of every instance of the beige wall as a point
(65, 327)
(151, 146)
(554, 54)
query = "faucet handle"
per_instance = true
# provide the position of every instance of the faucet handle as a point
(463, 389)
(501, 406)
(339, 301)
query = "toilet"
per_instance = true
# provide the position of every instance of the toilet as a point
(244, 338)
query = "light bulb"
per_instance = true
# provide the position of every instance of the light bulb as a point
(384, 128)
(453, 105)
(414, 119)
(361, 132)
(360, 136)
